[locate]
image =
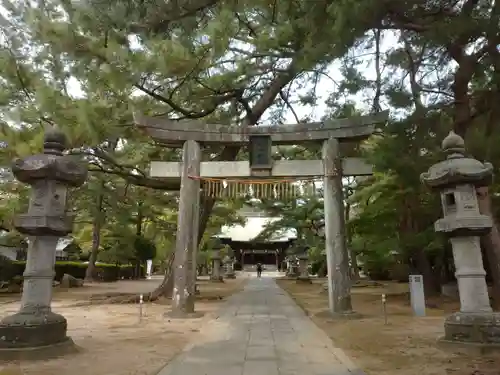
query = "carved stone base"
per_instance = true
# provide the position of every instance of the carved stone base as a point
(473, 328)
(25, 333)
(39, 353)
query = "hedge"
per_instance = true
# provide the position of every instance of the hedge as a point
(104, 272)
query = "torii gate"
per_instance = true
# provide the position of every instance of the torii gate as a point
(191, 135)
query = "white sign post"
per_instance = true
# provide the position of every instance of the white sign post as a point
(417, 296)
(149, 266)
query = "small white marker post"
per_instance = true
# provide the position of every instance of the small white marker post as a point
(384, 308)
(417, 295)
(141, 302)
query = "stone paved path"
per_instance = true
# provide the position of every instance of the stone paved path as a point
(261, 331)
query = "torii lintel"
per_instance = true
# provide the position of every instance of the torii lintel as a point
(174, 133)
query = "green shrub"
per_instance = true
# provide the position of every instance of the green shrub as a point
(17, 280)
(377, 270)
(144, 248)
(104, 271)
(7, 269)
(399, 272)
(316, 267)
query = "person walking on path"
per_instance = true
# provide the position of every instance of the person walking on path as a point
(259, 270)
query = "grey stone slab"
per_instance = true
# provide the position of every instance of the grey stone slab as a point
(289, 359)
(261, 332)
(260, 367)
(336, 369)
(264, 352)
(289, 347)
(293, 363)
(284, 338)
(190, 369)
(261, 340)
(224, 370)
(266, 331)
(293, 372)
(297, 370)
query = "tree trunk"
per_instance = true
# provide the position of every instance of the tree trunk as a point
(98, 223)
(423, 265)
(138, 233)
(166, 287)
(491, 243)
(96, 236)
(354, 265)
(96, 239)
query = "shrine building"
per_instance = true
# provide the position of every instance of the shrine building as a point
(248, 249)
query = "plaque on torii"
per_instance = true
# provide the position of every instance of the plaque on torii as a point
(259, 139)
(192, 135)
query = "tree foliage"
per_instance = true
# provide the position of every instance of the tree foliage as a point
(89, 66)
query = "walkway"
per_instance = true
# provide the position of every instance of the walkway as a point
(261, 331)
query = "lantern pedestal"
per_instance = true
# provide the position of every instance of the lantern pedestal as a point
(29, 329)
(473, 328)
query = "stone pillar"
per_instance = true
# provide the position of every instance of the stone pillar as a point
(196, 228)
(337, 257)
(288, 266)
(50, 174)
(457, 179)
(216, 263)
(293, 270)
(183, 296)
(303, 268)
(149, 266)
(229, 268)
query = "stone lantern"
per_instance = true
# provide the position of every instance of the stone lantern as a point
(50, 174)
(303, 259)
(457, 178)
(216, 265)
(291, 268)
(229, 268)
(288, 265)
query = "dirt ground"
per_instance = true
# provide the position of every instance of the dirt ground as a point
(407, 345)
(111, 337)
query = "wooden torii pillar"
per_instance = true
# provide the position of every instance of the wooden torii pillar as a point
(191, 135)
